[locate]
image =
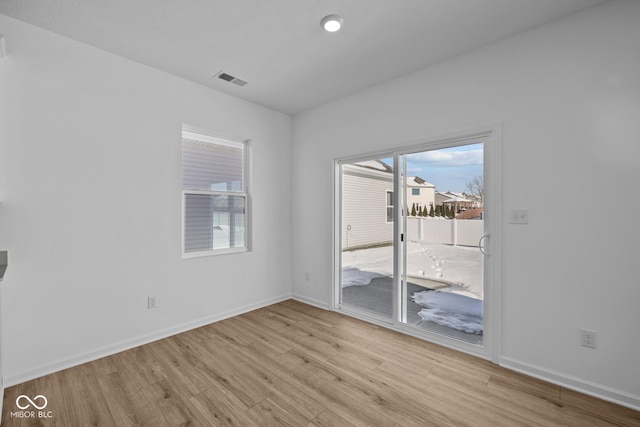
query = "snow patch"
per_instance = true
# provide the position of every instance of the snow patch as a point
(357, 277)
(451, 310)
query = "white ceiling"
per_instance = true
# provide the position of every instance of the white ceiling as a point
(278, 46)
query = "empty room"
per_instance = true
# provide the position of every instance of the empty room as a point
(319, 213)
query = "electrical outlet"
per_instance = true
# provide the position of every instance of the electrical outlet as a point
(151, 302)
(588, 338)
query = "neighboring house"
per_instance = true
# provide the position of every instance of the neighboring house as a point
(367, 202)
(420, 192)
(457, 201)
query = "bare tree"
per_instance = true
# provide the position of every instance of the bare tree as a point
(475, 189)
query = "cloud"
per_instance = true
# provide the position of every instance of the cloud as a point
(446, 158)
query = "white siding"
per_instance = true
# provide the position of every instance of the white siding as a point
(426, 198)
(364, 209)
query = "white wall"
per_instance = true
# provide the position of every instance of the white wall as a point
(568, 97)
(90, 185)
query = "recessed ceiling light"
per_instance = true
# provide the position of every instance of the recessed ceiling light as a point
(332, 23)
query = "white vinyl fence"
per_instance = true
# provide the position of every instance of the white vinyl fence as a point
(460, 232)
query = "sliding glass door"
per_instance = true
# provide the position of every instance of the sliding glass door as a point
(412, 239)
(444, 269)
(367, 234)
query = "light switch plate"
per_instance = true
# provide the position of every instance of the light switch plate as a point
(519, 216)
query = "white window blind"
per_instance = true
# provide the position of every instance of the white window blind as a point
(214, 187)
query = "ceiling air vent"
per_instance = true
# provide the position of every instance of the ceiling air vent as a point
(231, 79)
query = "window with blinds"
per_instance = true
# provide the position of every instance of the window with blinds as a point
(215, 194)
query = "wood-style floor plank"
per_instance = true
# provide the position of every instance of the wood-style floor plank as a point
(291, 364)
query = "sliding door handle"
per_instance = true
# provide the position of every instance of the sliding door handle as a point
(482, 239)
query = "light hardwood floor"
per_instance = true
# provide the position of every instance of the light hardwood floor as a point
(297, 365)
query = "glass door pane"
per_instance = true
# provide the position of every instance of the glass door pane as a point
(366, 226)
(444, 266)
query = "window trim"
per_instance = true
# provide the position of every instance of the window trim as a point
(387, 206)
(204, 135)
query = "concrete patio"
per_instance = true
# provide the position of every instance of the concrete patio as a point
(454, 269)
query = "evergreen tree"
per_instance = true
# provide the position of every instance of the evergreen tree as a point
(438, 210)
(431, 212)
(413, 210)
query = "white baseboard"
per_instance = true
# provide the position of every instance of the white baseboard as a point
(592, 389)
(1, 397)
(311, 301)
(13, 379)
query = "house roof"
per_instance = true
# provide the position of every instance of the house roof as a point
(381, 166)
(378, 165)
(454, 197)
(416, 181)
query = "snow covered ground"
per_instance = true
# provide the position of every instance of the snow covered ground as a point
(452, 310)
(352, 276)
(457, 305)
(458, 266)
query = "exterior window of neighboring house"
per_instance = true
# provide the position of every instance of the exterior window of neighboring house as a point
(415, 191)
(389, 206)
(215, 195)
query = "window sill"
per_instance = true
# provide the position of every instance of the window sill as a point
(203, 254)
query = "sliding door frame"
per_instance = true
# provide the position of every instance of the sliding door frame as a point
(490, 135)
(337, 242)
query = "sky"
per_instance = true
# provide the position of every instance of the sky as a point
(449, 169)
